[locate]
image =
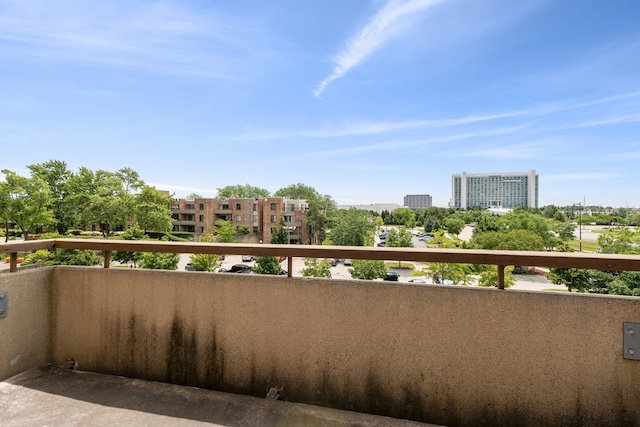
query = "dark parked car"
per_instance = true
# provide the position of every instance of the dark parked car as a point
(392, 276)
(190, 267)
(239, 268)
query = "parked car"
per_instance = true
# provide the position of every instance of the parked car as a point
(239, 268)
(380, 244)
(248, 258)
(383, 235)
(417, 280)
(333, 262)
(392, 276)
(190, 267)
(347, 262)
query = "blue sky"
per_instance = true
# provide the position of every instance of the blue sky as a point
(365, 100)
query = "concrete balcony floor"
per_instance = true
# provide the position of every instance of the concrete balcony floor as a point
(53, 396)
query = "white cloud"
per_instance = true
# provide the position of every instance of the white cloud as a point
(157, 36)
(384, 25)
(578, 176)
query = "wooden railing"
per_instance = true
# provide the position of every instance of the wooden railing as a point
(501, 259)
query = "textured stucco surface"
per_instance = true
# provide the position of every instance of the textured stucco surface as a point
(25, 332)
(442, 354)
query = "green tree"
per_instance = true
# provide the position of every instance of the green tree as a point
(489, 277)
(572, 278)
(206, 262)
(241, 192)
(316, 267)
(5, 199)
(56, 174)
(153, 210)
(224, 231)
(402, 216)
(132, 233)
(102, 198)
(63, 257)
(321, 208)
(267, 265)
(619, 241)
(26, 202)
(280, 236)
(160, 260)
(549, 211)
(398, 238)
(513, 240)
(353, 227)
(453, 225)
(441, 272)
(368, 269)
(270, 264)
(523, 220)
(487, 223)
(193, 196)
(565, 230)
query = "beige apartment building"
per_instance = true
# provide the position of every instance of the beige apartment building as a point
(254, 219)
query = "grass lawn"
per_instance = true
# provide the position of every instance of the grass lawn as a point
(586, 246)
(401, 265)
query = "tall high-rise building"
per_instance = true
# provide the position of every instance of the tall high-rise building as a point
(417, 201)
(494, 190)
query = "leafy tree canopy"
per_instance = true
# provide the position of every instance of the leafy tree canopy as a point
(316, 267)
(25, 201)
(368, 269)
(224, 231)
(206, 262)
(241, 192)
(353, 227)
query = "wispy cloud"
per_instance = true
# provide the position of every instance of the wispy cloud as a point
(384, 25)
(528, 150)
(409, 144)
(158, 36)
(372, 128)
(361, 128)
(578, 176)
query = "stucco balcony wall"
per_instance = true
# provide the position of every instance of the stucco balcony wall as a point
(440, 354)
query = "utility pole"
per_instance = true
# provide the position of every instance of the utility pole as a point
(579, 222)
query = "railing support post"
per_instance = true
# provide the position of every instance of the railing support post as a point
(13, 262)
(501, 276)
(107, 259)
(289, 266)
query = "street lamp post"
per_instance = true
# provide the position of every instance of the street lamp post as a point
(579, 223)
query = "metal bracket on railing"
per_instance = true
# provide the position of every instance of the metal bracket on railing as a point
(4, 301)
(631, 341)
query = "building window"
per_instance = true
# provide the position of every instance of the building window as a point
(224, 207)
(238, 218)
(189, 206)
(255, 207)
(238, 206)
(291, 208)
(289, 218)
(255, 229)
(273, 218)
(200, 218)
(273, 206)
(201, 205)
(202, 229)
